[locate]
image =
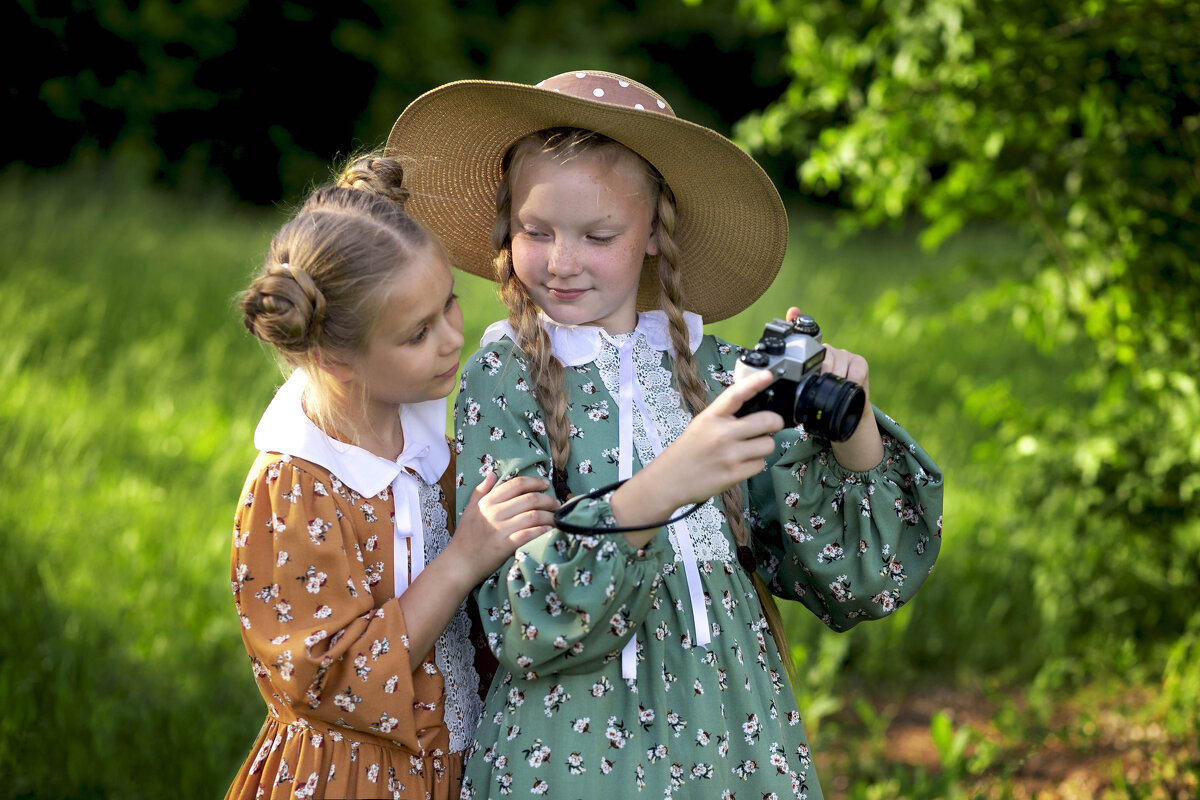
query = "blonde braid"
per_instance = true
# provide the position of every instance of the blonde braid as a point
(545, 369)
(693, 390)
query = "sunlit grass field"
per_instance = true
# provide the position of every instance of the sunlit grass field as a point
(129, 395)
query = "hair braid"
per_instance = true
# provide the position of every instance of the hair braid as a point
(377, 175)
(545, 370)
(693, 390)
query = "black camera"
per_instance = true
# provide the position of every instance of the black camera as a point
(827, 406)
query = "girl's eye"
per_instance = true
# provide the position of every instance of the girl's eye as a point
(450, 303)
(602, 238)
(419, 337)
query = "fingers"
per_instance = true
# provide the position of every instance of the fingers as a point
(485, 486)
(748, 456)
(758, 424)
(504, 515)
(529, 520)
(512, 509)
(739, 392)
(522, 538)
(845, 364)
(842, 363)
(517, 504)
(514, 487)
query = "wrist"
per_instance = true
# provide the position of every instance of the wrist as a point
(637, 502)
(456, 568)
(863, 451)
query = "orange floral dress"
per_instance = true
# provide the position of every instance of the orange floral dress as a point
(350, 715)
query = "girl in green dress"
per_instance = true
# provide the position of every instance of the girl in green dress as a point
(640, 655)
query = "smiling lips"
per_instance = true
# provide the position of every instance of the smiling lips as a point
(566, 294)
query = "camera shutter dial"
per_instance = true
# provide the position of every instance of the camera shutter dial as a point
(755, 358)
(806, 325)
(772, 345)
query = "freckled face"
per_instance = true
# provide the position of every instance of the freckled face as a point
(580, 231)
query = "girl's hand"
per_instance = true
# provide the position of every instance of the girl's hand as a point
(715, 451)
(496, 521)
(500, 518)
(864, 449)
(842, 363)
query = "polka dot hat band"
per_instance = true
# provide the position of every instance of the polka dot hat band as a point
(732, 230)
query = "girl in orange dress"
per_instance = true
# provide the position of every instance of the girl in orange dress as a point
(350, 590)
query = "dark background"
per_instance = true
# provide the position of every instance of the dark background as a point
(256, 96)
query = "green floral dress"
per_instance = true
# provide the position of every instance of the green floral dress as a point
(651, 672)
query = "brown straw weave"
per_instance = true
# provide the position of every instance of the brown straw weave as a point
(732, 230)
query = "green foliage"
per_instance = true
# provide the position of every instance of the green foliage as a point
(258, 96)
(131, 392)
(116, 653)
(1078, 123)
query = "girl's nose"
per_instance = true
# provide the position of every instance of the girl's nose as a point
(452, 333)
(564, 262)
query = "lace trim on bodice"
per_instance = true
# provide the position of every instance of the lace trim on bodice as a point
(669, 418)
(454, 654)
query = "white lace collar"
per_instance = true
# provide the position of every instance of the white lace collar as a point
(580, 344)
(285, 428)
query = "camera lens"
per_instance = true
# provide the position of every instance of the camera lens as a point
(829, 406)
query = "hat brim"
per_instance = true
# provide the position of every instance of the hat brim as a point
(732, 227)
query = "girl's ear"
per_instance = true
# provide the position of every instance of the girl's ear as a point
(334, 366)
(652, 242)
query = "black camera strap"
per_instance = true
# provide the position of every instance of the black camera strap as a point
(571, 527)
(745, 555)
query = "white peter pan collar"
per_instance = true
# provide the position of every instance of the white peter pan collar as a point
(580, 344)
(285, 428)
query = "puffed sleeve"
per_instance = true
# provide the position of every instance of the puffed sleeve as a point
(564, 602)
(309, 622)
(848, 545)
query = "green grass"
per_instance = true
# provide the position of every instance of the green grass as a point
(129, 400)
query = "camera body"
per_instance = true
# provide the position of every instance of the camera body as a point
(826, 405)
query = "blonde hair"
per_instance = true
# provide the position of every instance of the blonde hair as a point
(317, 297)
(546, 371)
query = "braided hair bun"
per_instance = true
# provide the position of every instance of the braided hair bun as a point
(376, 174)
(284, 308)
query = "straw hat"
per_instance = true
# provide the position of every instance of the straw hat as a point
(732, 230)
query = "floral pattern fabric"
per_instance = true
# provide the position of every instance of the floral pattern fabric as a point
(714, 721)
(349, 713)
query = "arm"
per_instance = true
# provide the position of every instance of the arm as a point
(849, 545)
(562, 602)
(309, 622)
(715, 451)
(496, 520)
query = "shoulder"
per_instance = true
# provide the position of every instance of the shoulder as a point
(495, 367)
(716, 344)
(715, 359)
(294, 499)
(495, 356)
(279, 476)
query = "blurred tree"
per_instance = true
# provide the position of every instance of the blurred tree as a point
(1078, 121)
(263, 95)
